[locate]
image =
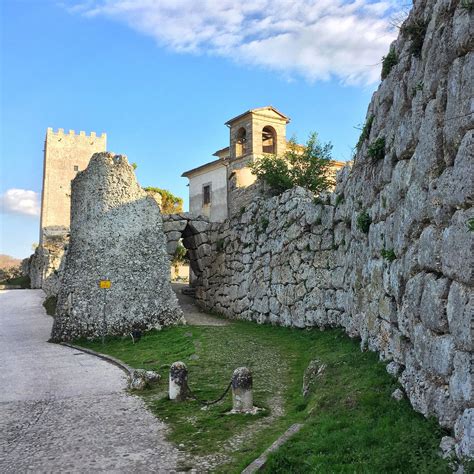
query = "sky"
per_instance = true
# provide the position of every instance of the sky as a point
(161, 77)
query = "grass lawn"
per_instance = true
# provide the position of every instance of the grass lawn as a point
(23, 281)
(351, 423)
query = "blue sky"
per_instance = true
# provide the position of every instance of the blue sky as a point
(161, 78)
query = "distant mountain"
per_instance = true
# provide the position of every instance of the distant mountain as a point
(7, 262)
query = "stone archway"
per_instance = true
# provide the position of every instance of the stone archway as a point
(194, 232)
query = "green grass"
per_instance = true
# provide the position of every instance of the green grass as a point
(351, 422)
(23, 281)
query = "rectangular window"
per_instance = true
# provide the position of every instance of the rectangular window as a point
(206, 191)
(76, 168)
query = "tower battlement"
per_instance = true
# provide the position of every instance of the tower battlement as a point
(61, 132)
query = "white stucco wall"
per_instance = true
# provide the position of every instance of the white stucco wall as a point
(217, 178)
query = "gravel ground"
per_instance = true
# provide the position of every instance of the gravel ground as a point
(66, 411)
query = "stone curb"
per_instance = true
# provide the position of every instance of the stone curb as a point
(126, 368)
(260, 462)
(11, 287)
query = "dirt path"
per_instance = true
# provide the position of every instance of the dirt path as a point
(193, 314)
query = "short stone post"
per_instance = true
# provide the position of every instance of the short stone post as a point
(242, 398)
(178, 387)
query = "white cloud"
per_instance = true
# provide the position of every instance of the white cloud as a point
(318, 39)
(20, 201)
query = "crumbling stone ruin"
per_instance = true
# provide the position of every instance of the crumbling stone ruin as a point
(45, 265)
(117, 235)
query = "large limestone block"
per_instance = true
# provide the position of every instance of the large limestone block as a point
(116, 234)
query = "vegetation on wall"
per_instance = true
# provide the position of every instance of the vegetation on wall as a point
(364, 134)
(388, 62)
(376, 149)
(388, 254)
(363, 222)
(415, 31)
(170, 204)
(308, 167)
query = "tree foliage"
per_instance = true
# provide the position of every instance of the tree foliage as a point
(170, 204)
(308, 167)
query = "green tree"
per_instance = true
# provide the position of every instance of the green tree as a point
(170, 204)
(308, 166)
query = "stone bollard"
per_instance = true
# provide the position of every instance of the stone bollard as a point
(242, 398)
(178, 390)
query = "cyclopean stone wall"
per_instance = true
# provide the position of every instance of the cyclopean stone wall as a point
(404, 284)
(117, 234)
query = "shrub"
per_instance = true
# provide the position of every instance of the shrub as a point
(264, 224)
(364, 134)
(363, 222)
(376, 149)
(388, 254)
(308, 167)
(470, 224)
(170, 204)
(134, 166)
(180, 255)
(415, 31)
(220, 245)
(388, 62)
(339, 199)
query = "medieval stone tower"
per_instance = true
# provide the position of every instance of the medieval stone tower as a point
(64, 155)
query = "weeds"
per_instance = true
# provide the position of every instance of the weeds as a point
(416, 32)
(363, 222)
(388, 62)
(364, 135)
(388, 254)
(376, 149)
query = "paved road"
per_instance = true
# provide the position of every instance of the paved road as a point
(65, 411)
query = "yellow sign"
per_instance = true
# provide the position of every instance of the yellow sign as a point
(104, 284)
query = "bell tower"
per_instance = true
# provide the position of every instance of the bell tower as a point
(257, 132)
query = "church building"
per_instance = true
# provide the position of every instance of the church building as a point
(217, 188)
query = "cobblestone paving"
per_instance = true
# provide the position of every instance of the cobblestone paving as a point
(65, 411)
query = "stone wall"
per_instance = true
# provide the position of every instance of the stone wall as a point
(403, 282)
(116, 234)
(45, 265)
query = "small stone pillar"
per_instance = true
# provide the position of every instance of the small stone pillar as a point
(242, 398)
(178, 387)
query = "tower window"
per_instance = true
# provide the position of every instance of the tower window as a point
(206, 192)
(76, 168)
(268, 140)
(241, 144)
